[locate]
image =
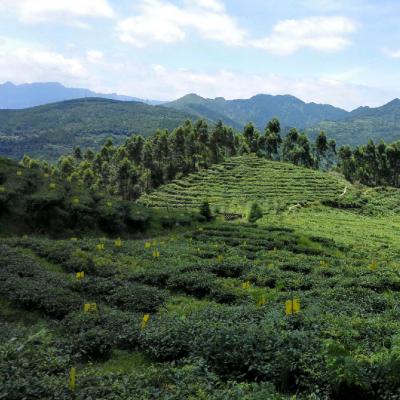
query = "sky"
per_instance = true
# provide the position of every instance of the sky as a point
(342, 52)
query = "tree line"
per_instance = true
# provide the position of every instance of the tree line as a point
(371, 164)
(143, 164)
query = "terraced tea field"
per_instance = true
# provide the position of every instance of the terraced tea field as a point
(235, 183)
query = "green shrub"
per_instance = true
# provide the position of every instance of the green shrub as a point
(205, 211)
(167, 338)
(255, 213)
(137, 297)
(92, 335)
(32, 365)
(196, 283)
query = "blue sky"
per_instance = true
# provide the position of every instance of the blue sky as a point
(346, 53)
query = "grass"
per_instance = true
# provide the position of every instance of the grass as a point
(121, 362)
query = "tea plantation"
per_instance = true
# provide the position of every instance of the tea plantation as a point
(302, 304)
(234, 183)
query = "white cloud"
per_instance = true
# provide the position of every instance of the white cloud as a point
(24, 63)
(318, 33)
(162, 21)
(392, 53)
(63, 11)
(213, 5)
(94, 56)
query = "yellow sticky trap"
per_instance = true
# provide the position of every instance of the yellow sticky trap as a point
(90, 307)
(220, 258)
(74, 239)
(145, 321)
(246, 285)
(262, 301)
(75, 200)
(100, 247)
(156, 253)
(373, 266)
(288, 307)
(52, 186)
(323, 264)
(109, 203)
(80, 275)
(19, 173)
(200, 229)
(118, 243)
(147, 245)
(296, 305)
(292, 306)
(72, 379)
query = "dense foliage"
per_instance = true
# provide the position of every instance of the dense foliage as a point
(141, 165)
(41, 200)
(372, 164)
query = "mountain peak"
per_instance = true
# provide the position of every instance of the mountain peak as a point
(7, 84)
(394, 102)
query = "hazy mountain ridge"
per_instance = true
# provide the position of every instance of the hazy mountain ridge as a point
(259, 109)
(39, 93)
(364, 123)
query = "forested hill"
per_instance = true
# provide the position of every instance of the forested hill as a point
(52, 130)
(291, 111)
(364, 123)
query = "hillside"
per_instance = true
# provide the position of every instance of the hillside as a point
(221, 310)
(232, 185)
(291, 111)
(364, 123)
(52, 130)
(39, 93)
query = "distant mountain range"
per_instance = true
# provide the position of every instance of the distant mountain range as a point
(364, 123)
(51, 130)
(36, 94)
(354, 128)
(291, 111)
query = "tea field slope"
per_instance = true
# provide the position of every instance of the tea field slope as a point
(205, 310)
(244, 179)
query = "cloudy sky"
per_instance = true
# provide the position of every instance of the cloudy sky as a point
(342, 52)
